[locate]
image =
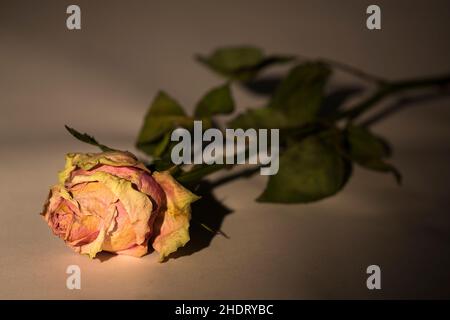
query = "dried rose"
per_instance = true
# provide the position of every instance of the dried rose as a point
(111, 202)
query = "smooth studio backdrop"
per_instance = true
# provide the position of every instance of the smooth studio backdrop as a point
(101, 80)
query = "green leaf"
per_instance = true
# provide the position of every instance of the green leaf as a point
(381, 166)
(164, 105)
(197, 173)
(157, 148)
(365, 144)
(216, 101)
(369, 150)
(164, 115)
(261, 118)
(310, 170)
(161, 164)
(233, 58)
(296, 101)
(84, 137)
(240, 63)
(300, 94)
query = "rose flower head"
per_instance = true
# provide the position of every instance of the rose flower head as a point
(111, 202)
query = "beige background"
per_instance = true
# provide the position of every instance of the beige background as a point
(101, 80)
